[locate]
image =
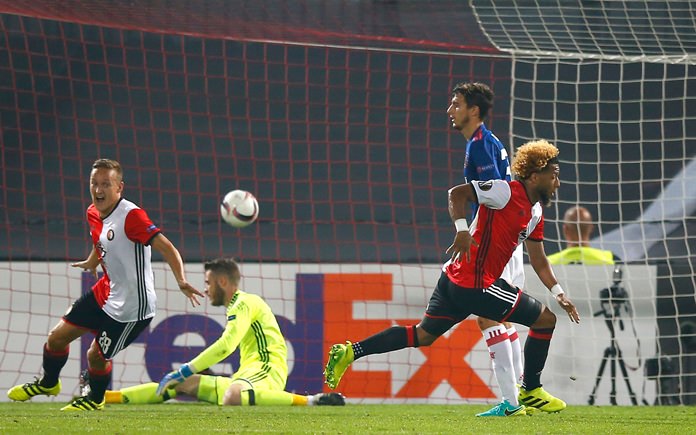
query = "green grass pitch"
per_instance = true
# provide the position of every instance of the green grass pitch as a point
(29, 418)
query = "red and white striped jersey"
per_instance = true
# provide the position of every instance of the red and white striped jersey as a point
(126, 292)
(505, 218)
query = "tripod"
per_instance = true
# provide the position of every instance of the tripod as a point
(614, 356)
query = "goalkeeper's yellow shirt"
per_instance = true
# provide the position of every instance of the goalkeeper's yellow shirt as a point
(582, 255)
(253, 328)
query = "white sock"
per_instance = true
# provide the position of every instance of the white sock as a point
(516, 353)
(500, 350)
(312, 399)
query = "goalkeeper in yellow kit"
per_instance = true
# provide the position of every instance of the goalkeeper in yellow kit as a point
(263, 368)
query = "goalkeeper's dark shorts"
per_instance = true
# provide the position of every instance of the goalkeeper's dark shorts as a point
(110, 335)
(501, 301)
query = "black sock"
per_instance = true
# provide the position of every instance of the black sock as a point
(414, 331)
(394, 338)
(536, 349)
(53, 363)
(98, 383)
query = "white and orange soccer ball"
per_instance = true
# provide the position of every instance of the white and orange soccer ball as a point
(239, 208)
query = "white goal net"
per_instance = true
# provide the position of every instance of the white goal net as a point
(613, 85)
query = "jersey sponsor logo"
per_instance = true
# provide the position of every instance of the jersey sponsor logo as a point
(485, 185)
(480, 169)
(110, 235)
(232, 317)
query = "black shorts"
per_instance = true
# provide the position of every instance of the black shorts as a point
(112, 336)
(502, 302)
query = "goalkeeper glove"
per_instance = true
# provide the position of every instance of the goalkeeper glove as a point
(173, 378)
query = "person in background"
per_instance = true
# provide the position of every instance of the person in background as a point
(487, 159)
(577, 230)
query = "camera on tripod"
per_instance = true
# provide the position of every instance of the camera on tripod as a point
(613, 298)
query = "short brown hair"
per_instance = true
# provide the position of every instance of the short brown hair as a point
(224, 266)
(476, 94)
(534, 156)
(109, 164)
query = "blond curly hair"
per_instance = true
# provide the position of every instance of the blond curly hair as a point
(534, 156)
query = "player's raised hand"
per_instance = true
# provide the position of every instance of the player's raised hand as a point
(569, 307)
(191, 292)
(173, 378)
(461, 246)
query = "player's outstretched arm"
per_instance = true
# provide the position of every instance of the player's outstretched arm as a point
(542, 267)
(171, 255)
(90, 264)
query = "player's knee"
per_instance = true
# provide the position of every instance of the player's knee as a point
(57, 340)
(484, 323)
(53, 342)
(233, 395)
(546, 320)
(424, 337)
(95, 358)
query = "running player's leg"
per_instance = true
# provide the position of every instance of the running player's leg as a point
(111, 338)
(492, 305)
(514, 274)
(541, 322)
(55, 355)
(439, 318)
(78, 321)
(517, 364)
(500, 351)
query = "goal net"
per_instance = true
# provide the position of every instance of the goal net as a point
(613, 85)
(340, 130)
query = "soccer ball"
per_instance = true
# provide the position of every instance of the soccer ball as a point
(239, 208)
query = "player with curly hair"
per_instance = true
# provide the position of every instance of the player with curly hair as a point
(509, 213)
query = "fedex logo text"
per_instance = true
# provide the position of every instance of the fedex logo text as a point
(444, 360)
(324, 315)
